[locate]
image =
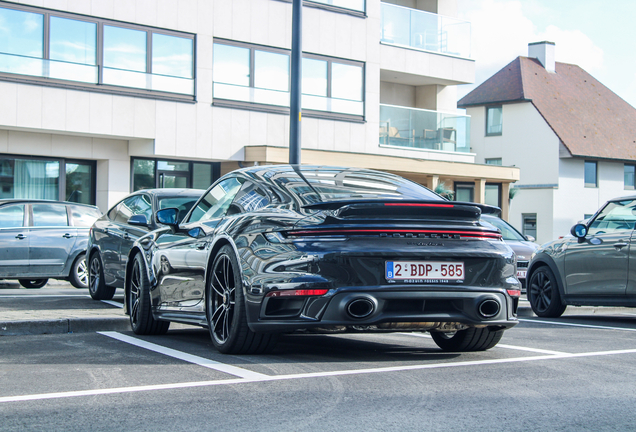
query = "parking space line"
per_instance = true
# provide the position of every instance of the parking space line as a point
(200, 361)
(113, 303)
(577, 325)
(266, 378)
(514, 347)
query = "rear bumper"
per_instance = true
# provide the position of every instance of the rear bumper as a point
(377, 306)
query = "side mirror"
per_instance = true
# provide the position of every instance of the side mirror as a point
(579, 231)
(138, 220)
(168, 216)
(530, 238)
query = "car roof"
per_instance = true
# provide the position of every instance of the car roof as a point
(161, 192)
(41, 201)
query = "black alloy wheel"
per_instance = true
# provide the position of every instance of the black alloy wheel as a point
(139, 306)
(79, 272)
(472, 339)
(97, 288)
(225, 310)
(543, 294)
(33, 283)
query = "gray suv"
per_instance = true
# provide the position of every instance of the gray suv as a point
(43, 239)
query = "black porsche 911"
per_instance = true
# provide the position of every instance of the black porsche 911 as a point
(277, 249)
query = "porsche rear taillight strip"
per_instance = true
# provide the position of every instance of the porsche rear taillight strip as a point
(472, 234)
(301, 292)
(418, 205)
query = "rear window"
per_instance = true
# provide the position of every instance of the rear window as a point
(315, 186)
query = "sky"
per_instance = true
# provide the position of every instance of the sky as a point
(599, 36)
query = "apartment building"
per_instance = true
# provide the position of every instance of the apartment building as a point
(104, 97)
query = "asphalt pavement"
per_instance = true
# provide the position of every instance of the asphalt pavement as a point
(59, 308)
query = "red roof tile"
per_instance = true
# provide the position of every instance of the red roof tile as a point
(590, 119)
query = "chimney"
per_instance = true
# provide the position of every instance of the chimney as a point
(544, 52)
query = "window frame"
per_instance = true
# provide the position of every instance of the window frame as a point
(215, 171)
(99, 61)
(62, 169)
(217, 101)
(488, 161)
(525, 216)
(633, 173)
(488, 108)
(585, 183)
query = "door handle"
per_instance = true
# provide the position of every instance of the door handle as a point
(201, 246)
(20, 236)
(127, 237)
(67, 235)
(620, 245)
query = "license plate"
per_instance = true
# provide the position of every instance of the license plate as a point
(521, 274)
(424, 270)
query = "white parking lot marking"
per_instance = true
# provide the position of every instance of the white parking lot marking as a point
(113, 303)
(266, 378)
(514, 347)
(211, 364)
(578, 325)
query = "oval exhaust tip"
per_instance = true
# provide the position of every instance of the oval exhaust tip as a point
(360, 308)
(489, 308)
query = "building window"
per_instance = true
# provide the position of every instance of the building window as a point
(261, 75)
(591, 176)
(153, 173)
(529, 225)
(66, 48)
(494, 120)
(630, 171)
(42, 178)
(493, 161)
(465, 192)
(493, 195)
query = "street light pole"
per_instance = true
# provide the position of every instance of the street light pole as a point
(296, 90)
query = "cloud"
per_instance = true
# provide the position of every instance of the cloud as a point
(502, 29)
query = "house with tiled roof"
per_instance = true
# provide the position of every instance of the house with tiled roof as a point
(573, 139)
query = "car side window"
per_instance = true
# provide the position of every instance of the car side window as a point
(125, 209)
(84, 216)
(12, 216)
(216, 201)
(616, 216)
(49, 215)
(144, 206)
(250, 198)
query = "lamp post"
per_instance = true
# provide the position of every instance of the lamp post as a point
(296, 90)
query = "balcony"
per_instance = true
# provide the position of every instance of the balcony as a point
(424, 129)
(425, 31)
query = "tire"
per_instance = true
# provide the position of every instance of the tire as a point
(96, 286)
(79, 272)
(472, 339)
(225, 310)
(33, 283)
(139, 306)
(543, 294)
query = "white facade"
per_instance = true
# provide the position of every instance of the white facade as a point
(551, 182)
(37, 119)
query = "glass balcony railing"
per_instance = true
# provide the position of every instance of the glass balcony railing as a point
(356, 5)
(424, 129)
(37, 67)
(424, 30)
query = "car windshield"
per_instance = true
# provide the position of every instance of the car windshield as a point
(323, 185)
(507, 230)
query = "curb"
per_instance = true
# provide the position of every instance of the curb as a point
(61, 326)
(526, 311)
